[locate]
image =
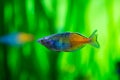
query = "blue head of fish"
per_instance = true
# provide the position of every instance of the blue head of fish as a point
(54, 44)
(46, 42)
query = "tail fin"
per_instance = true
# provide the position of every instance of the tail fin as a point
(94, 41)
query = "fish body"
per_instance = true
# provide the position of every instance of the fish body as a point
(68, 41)
(16, 38)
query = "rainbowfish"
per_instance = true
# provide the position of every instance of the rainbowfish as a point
(16, 38)
(68, 41)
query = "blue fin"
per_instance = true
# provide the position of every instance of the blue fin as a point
(94, 41)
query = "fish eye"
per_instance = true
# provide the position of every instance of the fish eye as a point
(42, 40)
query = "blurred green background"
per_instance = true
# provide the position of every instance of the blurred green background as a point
(33, 61)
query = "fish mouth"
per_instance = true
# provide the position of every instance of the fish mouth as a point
(40, 40)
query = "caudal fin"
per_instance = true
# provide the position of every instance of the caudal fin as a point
(94, 41)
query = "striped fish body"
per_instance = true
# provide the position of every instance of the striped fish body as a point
(64, 41)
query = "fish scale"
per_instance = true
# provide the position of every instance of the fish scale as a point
(68, 41)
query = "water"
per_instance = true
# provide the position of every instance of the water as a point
(33, 61)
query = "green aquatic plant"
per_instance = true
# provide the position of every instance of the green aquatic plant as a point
(45, 17)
